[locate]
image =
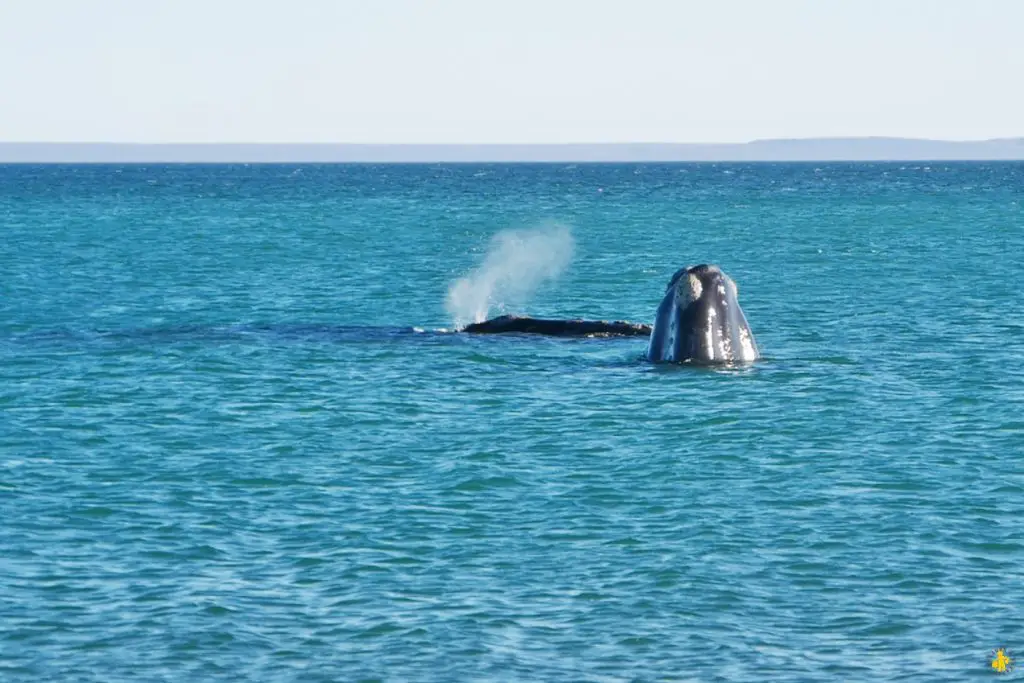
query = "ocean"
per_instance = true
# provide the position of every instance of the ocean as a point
(240, 440)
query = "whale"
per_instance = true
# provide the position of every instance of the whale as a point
(506, 324)
(700, 321)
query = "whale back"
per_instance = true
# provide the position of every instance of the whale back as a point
(700, 320)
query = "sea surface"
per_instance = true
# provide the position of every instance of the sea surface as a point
(239, 440)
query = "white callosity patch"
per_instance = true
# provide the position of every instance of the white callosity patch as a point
(667, 349)
(709, 333)
(725, 352)
(689, 291)
(747, 349)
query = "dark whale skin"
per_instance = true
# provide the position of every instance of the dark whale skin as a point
(510, 324)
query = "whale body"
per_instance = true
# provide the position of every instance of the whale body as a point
(557, 328)
(700, 321)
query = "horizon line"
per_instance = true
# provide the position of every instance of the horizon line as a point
(876, 148)
(815, 138)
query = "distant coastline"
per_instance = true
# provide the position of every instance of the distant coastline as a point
(809, 149)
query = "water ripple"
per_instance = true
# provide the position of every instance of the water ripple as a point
(236, 444)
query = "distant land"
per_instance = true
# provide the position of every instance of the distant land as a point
(809, 149)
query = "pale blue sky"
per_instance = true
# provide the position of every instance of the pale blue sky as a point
(508, 71)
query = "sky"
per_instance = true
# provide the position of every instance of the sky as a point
(508, 71)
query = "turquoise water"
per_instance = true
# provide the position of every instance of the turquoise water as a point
(236, 443)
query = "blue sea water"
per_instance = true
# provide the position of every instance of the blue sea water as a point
(236, 443)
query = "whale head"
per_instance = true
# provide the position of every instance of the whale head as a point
(700, 320)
